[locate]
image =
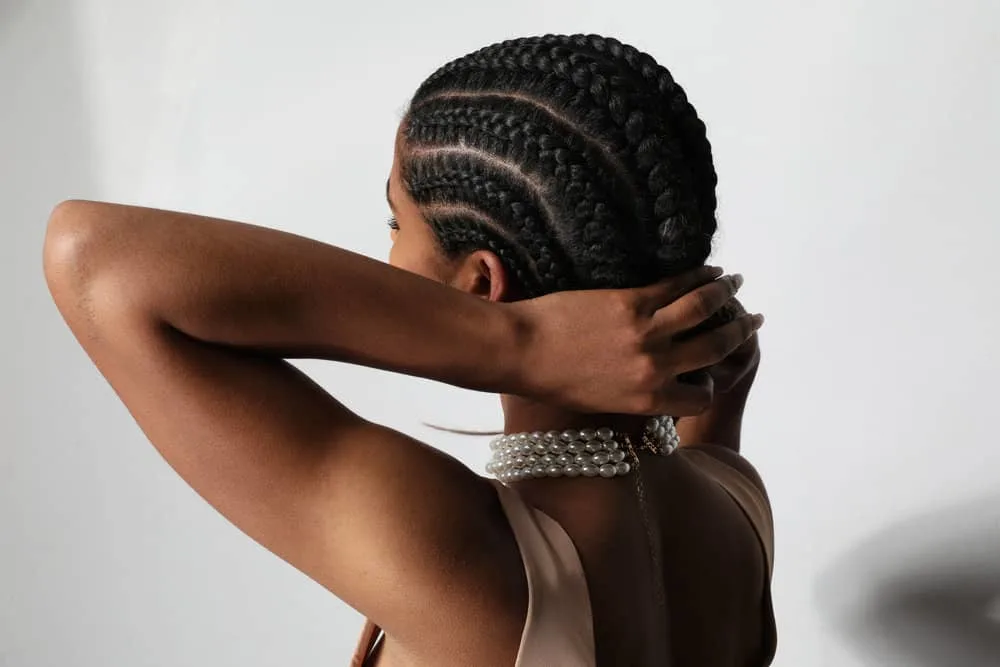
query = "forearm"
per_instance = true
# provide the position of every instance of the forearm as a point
(720, 425)
(714, 427)
(248, 286)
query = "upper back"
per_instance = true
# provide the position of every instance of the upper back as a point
(587, 537)
(714, 569)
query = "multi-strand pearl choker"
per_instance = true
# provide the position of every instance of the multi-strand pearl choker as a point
(589, 452)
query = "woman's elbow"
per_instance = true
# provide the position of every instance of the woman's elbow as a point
(70, 232)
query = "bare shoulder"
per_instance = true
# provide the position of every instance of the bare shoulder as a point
(389, 524)
(734, 460)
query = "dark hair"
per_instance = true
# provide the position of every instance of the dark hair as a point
(577, 159)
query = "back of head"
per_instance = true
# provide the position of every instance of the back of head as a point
(576, 159)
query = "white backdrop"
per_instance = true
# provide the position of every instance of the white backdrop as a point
(857, 144)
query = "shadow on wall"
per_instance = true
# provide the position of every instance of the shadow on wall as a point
(10, 12)
(925, 593)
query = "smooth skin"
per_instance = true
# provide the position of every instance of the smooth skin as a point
(190, 319)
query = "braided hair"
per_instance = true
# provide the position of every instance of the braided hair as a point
(575, 158)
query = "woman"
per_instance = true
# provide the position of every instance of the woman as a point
(526, 176)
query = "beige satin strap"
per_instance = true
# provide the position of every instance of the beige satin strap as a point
(368, 636)
(746, 494)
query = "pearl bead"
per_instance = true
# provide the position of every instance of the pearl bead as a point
(570, 453)
(557, 447)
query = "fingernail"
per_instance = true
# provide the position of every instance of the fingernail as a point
(737, 279)
(758, 321)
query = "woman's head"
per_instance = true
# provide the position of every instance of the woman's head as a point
(552, 163)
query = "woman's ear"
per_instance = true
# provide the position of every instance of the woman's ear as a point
(482, 274)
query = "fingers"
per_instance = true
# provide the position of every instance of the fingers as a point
(713, 346)
(725, 376)
(653, 297)
(689, 397)
(699, 304)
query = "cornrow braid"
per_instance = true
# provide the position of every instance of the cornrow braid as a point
(460, 234)
(543, 154)
(691, 132)
(581, 157)
(510, 201)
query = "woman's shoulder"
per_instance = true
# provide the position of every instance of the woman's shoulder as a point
(731, 458)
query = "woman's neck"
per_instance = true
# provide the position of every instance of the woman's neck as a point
(525, 415)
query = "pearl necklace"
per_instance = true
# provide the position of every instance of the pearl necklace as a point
(571, 453)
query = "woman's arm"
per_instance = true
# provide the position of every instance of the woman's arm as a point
(188, 318)
(722, 423)
(261, 289)
(238, 284)
(175, 311)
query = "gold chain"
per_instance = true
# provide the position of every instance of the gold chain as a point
(658, 583)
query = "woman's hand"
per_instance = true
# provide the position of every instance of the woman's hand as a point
(625, 351)
(736, 373)
(722, 423)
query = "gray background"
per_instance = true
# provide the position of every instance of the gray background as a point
(857, 146)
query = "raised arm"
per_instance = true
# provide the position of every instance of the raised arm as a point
(188, 319)
(253, 287)
(721, 424)
(261, 289)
